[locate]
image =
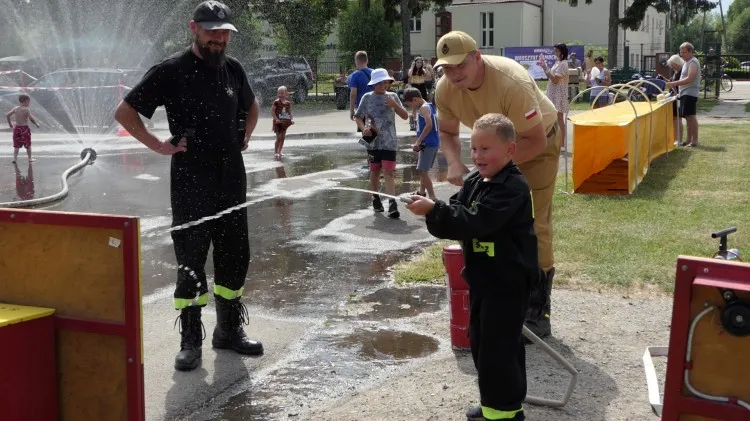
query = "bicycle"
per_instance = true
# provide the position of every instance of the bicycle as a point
(727, 83)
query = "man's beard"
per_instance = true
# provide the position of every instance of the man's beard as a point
(211, 57)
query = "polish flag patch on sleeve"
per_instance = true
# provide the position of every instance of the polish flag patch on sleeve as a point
(531, 114)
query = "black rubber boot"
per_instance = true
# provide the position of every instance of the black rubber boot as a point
(191, 331)
(540, 307)
(230, 316)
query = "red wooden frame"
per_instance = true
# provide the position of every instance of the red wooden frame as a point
(708, 272)
(131, 330)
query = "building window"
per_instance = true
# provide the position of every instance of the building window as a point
(487, 23)
(443, 24)
(415, 24)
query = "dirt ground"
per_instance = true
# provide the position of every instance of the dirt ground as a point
(604, 335)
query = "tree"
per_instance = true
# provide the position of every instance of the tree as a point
(301, 26)
(401, 12)
(408, 9)
(362, 28)
(736, 8)
(739, 32)
(692, 32)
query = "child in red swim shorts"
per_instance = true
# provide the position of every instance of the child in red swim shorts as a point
(21, 131)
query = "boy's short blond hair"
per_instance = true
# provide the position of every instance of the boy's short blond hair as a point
(281, 88)
(500, 124)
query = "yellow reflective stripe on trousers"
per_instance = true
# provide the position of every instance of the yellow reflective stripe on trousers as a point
(227, 293)
(180, 303)
(494, 414)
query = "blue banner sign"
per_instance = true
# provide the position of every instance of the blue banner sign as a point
(529, 57)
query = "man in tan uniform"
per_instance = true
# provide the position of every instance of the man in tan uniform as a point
(475, 85)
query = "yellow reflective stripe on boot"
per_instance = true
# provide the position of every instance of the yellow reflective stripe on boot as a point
(180, 303)
(494, 414)
(227, 293)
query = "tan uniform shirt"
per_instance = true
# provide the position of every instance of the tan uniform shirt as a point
(508, 88)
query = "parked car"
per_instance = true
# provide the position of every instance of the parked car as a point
(267, 74)
(79, 100)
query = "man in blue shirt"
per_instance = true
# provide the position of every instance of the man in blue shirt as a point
(358, 82)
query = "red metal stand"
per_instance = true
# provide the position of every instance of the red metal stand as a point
(718, 363)
(458, 290)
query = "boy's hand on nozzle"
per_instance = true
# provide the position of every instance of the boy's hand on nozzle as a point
(390, 102)
(420, 205)
(367, 131)
(416, 147)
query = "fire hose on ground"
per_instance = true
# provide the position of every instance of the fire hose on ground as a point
(88, 156)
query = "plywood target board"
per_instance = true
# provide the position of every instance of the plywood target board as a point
(87, 268)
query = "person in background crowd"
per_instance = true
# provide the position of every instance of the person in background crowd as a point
(557, 85)
(588, 66)
(359, 82)
(689, 84)
(600, 77)
(675, 63)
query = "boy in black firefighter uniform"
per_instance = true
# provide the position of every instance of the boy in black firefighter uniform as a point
(207, 99)
(492, 215)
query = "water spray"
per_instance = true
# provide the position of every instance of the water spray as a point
(88, 156)
(404, 199)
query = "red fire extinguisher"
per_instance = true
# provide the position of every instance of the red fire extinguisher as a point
(458, 291)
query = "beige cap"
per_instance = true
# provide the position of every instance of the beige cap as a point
(453, 48)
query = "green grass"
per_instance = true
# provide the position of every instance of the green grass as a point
(706, 105)
(427, 267)
(632, 242)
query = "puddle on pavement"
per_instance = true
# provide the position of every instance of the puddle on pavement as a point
(243, 407)
(388, 303)
(389, 344)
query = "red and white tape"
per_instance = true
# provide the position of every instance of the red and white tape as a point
(10, 72)
(63, 88)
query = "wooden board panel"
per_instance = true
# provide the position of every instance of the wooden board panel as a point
(92, 376)
(613, 180)
(87, 267)
(721, 362)
(74, 270)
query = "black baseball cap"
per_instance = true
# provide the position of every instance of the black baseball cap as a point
(213, 15)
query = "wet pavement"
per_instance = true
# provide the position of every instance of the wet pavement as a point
(318, 288)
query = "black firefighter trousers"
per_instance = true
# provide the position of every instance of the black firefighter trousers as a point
(200, 187)
(495, 333)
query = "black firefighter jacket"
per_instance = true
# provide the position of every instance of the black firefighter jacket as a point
(494, 220)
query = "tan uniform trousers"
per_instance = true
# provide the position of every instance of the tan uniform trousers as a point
(541, 173)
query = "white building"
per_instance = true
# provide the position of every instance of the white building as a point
(497, 24)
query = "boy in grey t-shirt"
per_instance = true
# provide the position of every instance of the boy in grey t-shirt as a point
(376, 116)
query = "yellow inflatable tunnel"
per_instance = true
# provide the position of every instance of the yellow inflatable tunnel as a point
(614, 145)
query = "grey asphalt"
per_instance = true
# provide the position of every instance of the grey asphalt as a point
(312, 249)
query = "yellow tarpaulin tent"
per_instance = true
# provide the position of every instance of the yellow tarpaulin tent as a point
(615, 145)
